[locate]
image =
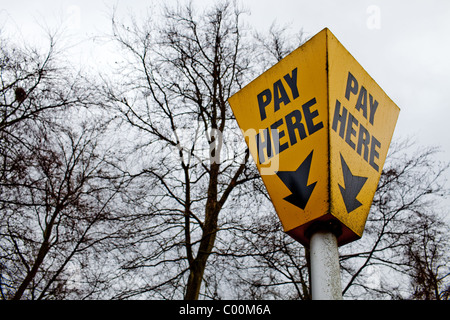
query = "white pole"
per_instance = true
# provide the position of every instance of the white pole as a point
(325, 270)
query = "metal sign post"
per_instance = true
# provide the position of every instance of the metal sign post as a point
(325, 270)
(325, 275)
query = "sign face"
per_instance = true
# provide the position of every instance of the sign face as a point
(318, 128)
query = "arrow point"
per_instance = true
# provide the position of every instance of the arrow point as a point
(297, 182)
(353, 185)
(301, 198)
(350, 203)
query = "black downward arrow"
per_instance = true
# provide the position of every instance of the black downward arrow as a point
(353, 185)
(297, 181)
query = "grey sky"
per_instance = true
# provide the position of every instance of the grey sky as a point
(407, 53)
(402, 44)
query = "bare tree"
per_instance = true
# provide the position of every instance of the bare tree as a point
(33, 83)
(427, 262)
(59, 213)
(180, 74)
(59, 182)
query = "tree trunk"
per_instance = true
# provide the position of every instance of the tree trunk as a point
(195, 280)
(198, 265)
(43, 250)
(32, 273)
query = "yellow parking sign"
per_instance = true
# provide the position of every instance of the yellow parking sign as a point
(318, 128)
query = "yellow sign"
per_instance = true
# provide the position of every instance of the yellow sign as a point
(318, 128)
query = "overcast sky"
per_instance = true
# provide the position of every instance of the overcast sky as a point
(404, 45)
